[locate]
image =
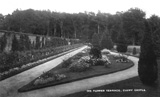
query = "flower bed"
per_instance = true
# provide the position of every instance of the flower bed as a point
(16, 62)
(79, 67)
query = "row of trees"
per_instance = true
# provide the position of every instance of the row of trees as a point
(79, 25)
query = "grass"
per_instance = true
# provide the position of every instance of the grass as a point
(73, 76)
(133, 83)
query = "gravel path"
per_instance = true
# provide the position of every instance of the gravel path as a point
(8, 87)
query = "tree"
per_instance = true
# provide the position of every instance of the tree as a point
(106, 41)
(95, 40)
(1, 21)
(121, 45)
(133, 24)
(147, 65)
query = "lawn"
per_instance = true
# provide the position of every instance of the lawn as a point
(73, 76)
(129, 88)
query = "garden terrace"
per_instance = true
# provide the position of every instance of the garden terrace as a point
(67, 75)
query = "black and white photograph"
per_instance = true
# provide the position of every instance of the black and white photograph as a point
(79, 48)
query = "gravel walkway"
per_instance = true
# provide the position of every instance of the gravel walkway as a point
(8, 87)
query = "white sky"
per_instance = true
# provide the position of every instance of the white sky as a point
(75, 6)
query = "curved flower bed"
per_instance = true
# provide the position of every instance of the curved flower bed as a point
(79, 67)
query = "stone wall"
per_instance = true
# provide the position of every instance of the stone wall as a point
(34, 41)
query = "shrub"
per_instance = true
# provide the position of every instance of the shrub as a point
(7, 61)
(95, 52)
(66, 62)
(49, 77)
(147, 65)
(134, 51)
(38, 44)
(79, 66)
(106, 41)
(121, 46)
(95, 40)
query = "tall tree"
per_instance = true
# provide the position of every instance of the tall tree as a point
(133, 22)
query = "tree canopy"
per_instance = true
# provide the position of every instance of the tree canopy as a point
(79, 25)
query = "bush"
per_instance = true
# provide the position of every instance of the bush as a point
(95, 52)
(134, 51)
(121, 46)
(106, 42)
(95, 40)
(7, 61)
(79, 66)
(147, 65)
(66, 62)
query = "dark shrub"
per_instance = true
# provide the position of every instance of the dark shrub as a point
(95, 40)
(95, 52)
(106, 41)
(8, 60)
(66, 63)
(121, 45)
(134, 51)
(147, 65)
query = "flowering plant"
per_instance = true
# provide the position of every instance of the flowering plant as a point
(49, 77)
(79, 66)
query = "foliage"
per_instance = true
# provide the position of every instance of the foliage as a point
(95, 52)
(121, 46)
(49, 77)
(95, 40)
(79, 66)
(66, 62)
(20, 59)
(3, 42)
(104, 61)
(147, 65)
(7, 61)
(133, 25)
(80, 25)
(24, 43)
(106, 41)
(134, 51)
(15, 44)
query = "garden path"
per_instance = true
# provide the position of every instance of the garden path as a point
(68, 88)
(9, 86)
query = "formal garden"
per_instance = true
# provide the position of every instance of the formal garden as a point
(109, 40)
(93, 61)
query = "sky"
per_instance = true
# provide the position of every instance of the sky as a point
(75, 6)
